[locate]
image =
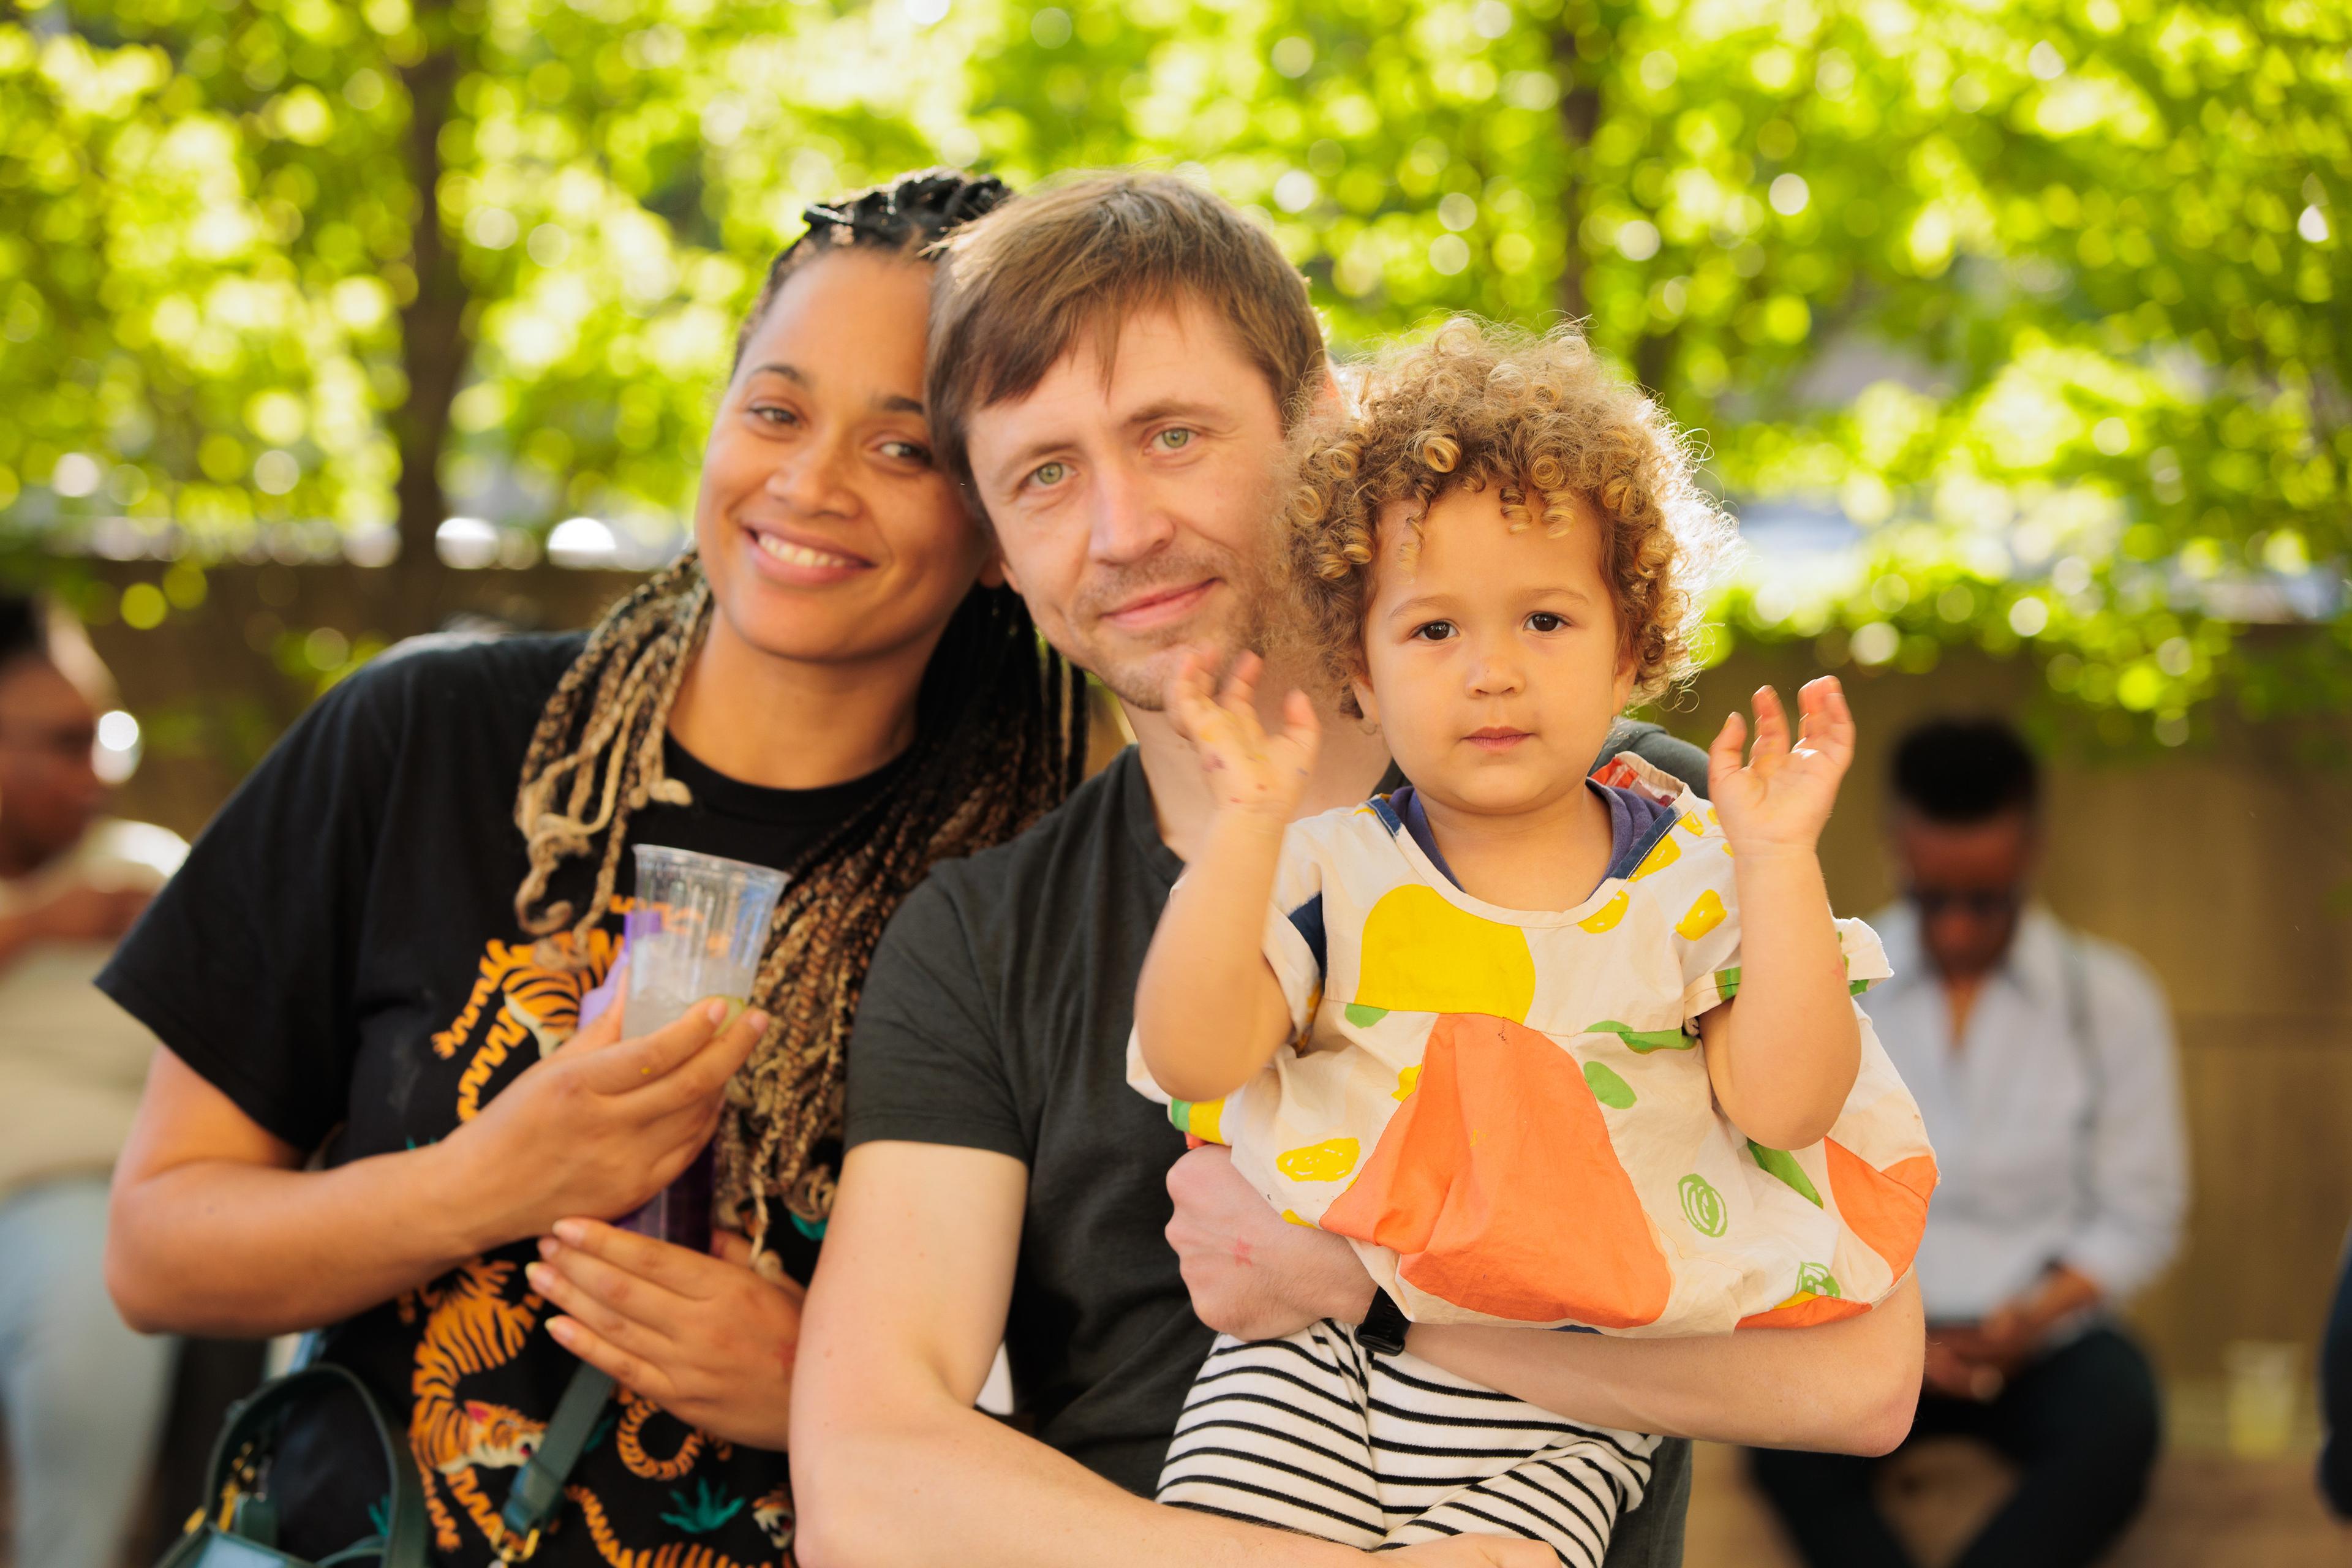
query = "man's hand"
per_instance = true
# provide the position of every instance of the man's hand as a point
(85, 914)
(1252, 1274)
(2012, 1334)
(1975, 1361)
(1956, 1366)
(707, 1338)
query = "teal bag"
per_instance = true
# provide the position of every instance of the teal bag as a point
(237, 1525)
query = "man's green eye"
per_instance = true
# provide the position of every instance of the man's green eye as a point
(1048, 474)
(1172, 439)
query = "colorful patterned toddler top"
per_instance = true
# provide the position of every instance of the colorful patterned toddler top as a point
(1508, 1112)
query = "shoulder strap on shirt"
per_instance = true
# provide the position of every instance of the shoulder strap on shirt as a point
(539, 1486)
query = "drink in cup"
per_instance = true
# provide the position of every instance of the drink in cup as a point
(696, 931)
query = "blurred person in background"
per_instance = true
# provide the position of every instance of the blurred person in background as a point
(84, 1395)
(2043, 1061)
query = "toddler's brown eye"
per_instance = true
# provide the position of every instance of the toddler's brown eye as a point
(1544, 621)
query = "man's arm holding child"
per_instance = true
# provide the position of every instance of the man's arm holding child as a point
(891, 1462)
(1783, 1056)
(1847, 1387)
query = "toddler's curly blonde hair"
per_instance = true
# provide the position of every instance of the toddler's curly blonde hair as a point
(1544, 423)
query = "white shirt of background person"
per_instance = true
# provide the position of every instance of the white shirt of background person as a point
(2043, 1059)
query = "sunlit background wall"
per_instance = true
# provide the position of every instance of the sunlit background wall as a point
(2016, 333)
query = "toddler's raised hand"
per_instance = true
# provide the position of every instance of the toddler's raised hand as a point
(1781, 798)
(1245, 768)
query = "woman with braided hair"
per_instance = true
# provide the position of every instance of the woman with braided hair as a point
(379, 952)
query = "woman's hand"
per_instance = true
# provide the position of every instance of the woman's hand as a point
(1781, 798)
(1245, 768)
(1252, 1274)
(707, 1339)
(602, 1124)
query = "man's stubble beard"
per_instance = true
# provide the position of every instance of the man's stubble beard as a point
(1140, 681)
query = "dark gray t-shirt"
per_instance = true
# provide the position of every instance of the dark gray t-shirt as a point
(996, 1016)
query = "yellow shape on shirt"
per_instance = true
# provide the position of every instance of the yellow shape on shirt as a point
(1690, 824)
(1420, 954)
(1666, 853)
(1325, 1162)
(1407, 1081)
(1606, 917)
(1706, 915)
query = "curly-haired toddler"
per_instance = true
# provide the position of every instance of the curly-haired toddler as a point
(1551, 1050)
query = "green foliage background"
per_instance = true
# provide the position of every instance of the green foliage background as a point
(2050, 298)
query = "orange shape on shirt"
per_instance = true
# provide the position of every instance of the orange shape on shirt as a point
(1497, 1186)
(1886, 1209)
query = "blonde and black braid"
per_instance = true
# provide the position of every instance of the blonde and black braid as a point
(1000, 739)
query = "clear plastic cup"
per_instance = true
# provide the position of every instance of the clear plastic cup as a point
(696, 930)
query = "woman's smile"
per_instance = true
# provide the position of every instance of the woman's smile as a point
(799, 561)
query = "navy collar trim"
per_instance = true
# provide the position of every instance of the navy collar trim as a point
(1402, 811)
(1620, 802)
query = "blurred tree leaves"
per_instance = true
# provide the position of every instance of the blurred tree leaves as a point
(2048, 298)
(295, 261)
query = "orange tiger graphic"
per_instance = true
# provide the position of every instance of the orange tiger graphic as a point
(534, 1003)
(774, 1515)
(628, 1437)
(470, 1328)
(670, 1554)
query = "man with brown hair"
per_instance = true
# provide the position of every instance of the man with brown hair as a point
(1115, 361)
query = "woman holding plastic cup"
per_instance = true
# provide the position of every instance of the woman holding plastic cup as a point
(380, 952)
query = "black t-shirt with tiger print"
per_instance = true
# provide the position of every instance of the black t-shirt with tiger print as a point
(340, 956)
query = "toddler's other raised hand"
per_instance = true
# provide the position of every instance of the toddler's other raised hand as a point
(1782, 797)
(1245, 768)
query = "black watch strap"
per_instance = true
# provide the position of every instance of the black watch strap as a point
(1384, 1327)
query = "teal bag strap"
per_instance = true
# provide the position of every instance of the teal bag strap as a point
(252, 1426)
(538, 1487)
